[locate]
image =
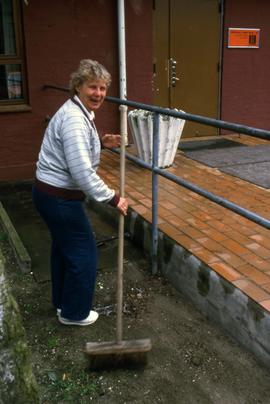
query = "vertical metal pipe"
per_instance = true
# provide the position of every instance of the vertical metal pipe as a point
(155, 148)
(122, 48)
(122, 63)
(123, 132)
(220, 62)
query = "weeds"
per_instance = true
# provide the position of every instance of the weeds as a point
(70, 387)
(53, 342)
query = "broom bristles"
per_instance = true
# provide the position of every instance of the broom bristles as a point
(111, 355)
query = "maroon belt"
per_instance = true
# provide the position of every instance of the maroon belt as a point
(59, 192)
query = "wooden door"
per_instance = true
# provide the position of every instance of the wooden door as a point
(187, 59)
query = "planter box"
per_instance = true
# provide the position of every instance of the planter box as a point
(170, 131)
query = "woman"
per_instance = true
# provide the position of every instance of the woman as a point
(65, 175)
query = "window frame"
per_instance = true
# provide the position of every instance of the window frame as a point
(13, 105)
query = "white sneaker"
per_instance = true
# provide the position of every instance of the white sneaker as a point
(58, 312)
(93, 316)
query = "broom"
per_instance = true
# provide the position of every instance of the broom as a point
(119, 353)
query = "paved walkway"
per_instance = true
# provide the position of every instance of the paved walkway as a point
(234, 247)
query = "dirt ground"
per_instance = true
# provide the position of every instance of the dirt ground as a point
(192, 360)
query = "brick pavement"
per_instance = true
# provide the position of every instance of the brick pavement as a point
(234, 247)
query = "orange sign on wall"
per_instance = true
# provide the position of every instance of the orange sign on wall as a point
(244, 38)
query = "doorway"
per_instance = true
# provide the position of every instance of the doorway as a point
(187, 53)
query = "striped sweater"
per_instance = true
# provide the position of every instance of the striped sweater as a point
(70, 153)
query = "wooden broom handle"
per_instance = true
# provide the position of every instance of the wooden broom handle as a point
(121, 227)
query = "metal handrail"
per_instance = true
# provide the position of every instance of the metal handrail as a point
(238, 128)
(264, 134)
(156, 171)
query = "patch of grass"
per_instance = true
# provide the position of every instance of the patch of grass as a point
(70, 387)
(53, 341)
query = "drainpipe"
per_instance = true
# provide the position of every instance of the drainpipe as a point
(122, 65)
(123, 133)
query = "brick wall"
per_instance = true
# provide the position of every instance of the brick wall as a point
(246, 82)
(57, 36)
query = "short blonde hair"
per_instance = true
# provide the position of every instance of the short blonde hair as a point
(88, 70)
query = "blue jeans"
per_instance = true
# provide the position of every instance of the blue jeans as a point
(73, 254)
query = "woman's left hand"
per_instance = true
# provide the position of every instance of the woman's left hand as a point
(122, 206)
(110, 140)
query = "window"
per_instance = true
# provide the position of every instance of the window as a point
(12, 69)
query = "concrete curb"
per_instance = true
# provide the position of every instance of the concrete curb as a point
(22, 256)
(219, 300)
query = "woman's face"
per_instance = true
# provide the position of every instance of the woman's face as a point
(92, 93)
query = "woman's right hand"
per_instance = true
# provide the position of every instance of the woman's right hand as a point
(122, 206)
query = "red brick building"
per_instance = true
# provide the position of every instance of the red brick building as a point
(42, 43)
(245, 72)
(50, 38)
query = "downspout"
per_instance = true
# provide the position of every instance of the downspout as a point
(122, 66)
(220, 62)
